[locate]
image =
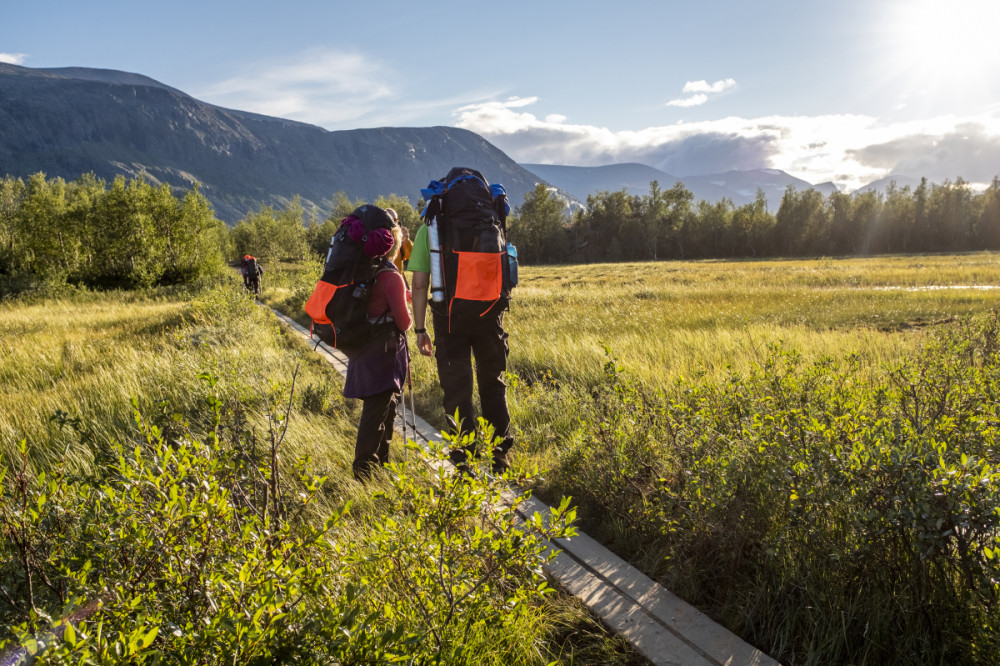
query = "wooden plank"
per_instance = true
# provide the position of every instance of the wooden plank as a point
(662, 607)
(623, 616)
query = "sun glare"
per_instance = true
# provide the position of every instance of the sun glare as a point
(944, 43)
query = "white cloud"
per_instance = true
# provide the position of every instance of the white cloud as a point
(705, 87)
(323, 87)
(340, 89)
(13, 58)
(517, 102)
(497, 117)
(555, 118)
(849, 149)
(696, 100)
(701, 88)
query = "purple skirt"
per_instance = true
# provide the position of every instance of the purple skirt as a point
(380, 366)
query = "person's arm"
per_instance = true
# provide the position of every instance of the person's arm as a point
(396, 295)
(421, 281)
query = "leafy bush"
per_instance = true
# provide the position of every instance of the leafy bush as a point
(192, 548)
(825, 518)
(469, 578)
(126, 234)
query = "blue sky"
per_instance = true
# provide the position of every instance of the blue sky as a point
(847, 90)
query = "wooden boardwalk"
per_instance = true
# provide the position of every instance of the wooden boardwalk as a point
(661, 626)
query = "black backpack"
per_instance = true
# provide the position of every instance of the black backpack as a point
(251, 266)
(471, 221)
(338, 305)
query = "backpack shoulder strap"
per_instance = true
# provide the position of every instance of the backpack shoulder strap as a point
(385, 266)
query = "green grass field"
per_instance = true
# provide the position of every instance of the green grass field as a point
(665, 320)
(88, 357)
(679, 319)
(699, 443)
(72, 370)
(802, 449)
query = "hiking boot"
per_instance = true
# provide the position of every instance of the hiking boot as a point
(499, 467)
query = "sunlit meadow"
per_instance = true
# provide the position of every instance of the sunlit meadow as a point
(72, 369)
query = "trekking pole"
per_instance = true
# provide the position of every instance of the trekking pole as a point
(403, 403)
(413, 411)
(409, 383)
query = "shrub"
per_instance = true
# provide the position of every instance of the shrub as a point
(825, 518)
(204, 549)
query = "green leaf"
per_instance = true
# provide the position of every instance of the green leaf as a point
(69, 635)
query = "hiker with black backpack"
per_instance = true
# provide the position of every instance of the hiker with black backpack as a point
(252, 271)
(460, 255)
(359, 306)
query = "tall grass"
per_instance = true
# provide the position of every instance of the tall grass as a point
(685, 318)
(77, 371)
(750, 434)
(86, 360)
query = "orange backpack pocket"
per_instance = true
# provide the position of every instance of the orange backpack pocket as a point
(316, 305)
(479, 277)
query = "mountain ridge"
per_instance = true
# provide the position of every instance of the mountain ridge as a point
(70, 121)
(67, 121)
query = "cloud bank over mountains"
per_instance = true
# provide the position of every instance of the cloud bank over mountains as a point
(851, 150)
(341, 88)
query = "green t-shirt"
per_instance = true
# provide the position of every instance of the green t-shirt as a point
(420, 257)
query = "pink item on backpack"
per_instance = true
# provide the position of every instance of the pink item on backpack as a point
(378, 242)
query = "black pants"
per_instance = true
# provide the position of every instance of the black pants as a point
(486, 341)
(378, 413)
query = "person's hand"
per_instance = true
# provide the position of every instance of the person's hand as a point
(424, 344)
(409, 296)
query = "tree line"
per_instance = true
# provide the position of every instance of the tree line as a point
(88, 232)
(130, 233)
(668, 224)
(292, 233)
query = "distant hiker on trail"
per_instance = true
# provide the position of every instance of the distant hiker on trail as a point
(460, 253)
(402, 259)
(251, 271)
(377, 372)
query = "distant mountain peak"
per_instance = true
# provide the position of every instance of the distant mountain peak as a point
(740, 187)
(882, 184)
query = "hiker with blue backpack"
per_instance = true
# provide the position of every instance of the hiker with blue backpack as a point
(460, 259)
